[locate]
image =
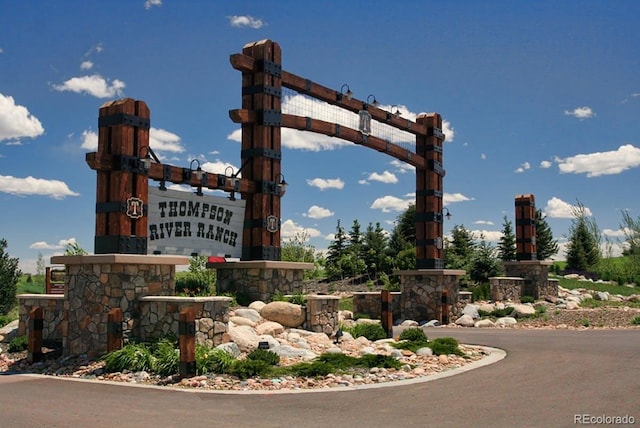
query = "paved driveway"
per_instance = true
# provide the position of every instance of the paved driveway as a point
(546, 378)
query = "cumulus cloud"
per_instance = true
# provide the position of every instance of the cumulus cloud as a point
(488, 235)
(580, 113)
(289, 229)
(148, 4)
(601, 163)
(86, 65)
(244, 21)
(35, 186)
(390, 203)
(94, 85)
(557, 208)
(318, 212)
(545, 164)
(16, 121)
(220, 167)
(451, 198)
(326, 183)
(487, 222)
(385, 177)
(523, 167)
(43, 245)
(402, 167)
(89, 140)
(159, 139)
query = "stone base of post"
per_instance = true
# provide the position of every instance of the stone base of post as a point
(536, 277)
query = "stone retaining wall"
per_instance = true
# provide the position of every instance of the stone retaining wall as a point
(260, 280)
(55, 327)
(322, 314)
(506, 288)
(370, 304)
(160, 315)
(535, 274)
(422, 292)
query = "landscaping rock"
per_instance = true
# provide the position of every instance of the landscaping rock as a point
(506, 321)
(572, 305)
(247, 313)
(523, 310)
(486, 307)
(257, 305)
(245, 337)
(471, 310)
(230, 348)
(288, 351)
(242, 321)
(433, 323)
(271, 328)
(426, 351)
(409, 323)
(465, 321)
(484, 323)
(285, 313)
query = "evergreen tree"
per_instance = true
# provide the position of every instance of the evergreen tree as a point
(375, 243)
(583, 251)
(9, 276)
(507, 243)
(337, 251)
(459, 251)
(546, 246)
(355, 243)
(484, 264)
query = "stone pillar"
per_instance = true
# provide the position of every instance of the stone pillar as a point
(322, 314)
(260, 279)
(97, 283)
(422, 293)
(535, 274)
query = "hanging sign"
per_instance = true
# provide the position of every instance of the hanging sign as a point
(184, 223)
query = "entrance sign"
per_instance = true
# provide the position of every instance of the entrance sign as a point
(183, 223)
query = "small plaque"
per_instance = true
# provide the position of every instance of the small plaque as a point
(134, 207)
(273, 223)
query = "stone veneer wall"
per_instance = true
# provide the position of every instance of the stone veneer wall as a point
(505, 288)
(535, 274)
(370, 303)
(98, 283)
(322, 314)
(421, 298)
(260, 280)
(159, 317)
(52, 305)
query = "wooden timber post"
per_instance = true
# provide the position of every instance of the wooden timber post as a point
(386, 312)
(122, 191)
(261, 151)
(114, 329)
(429, 227)
(526, 228)
(36, 325)
(187, 342)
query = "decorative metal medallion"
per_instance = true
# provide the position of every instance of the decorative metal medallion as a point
(439, 243)
(273, 224)
(364, 125)
(135, 207)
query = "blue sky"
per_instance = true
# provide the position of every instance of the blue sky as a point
(538, 97)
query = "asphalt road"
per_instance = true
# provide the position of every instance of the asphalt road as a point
(546, 379)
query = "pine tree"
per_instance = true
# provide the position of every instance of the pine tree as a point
(337, 251)
(507, 242)
(355, 239)
(484, 262)
(546, 246)
(9, 276)
(583, 249)
(459, 251)
(375, 243)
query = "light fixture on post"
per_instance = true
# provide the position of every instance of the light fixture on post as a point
(397, 112)
(375, 102)
(281, 184)
(199, 174)
(448, 214)
(233, 180)
(145, 161)
(342, 94)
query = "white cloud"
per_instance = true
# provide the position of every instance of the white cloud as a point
(618, 233)
(35, 186)
(220, 167)
(390, 203)
(148, 4)
(318, 212)
(451, 198)
(363, 181)
(89, 140)
(42, 245)
(94, 85)
(326, 183)
(16, 121)
(580, 113)
(289, 229)
(242, 21)
(545, 164)
(483, 156)
(385, 177)
(402, 167)
(487, 222)
(557, 208)
(235, 136)
(602, 163)
(525, 166)
(86, 65)
(489, 235)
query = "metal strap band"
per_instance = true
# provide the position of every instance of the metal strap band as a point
(124, 119)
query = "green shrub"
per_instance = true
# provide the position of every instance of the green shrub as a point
(268, 357)
(373, 331)
(497, 313)
(4, 320)
(377, 360)
(314, 369)
(446, 346)
(337, 361)
(297, 298)
(540, 309)
(346, 304)
(635, 321)
(244, 369)
(134, 357)
(527, 299)
(413, 334)
(18, 344)
(192, 285)
(213, 360)
(167, 357)
(480, 292)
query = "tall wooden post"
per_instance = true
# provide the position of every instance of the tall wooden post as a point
(187, 342)
(122, 191)
(114, 329)
(386, 312)
(429, 228)
(526, 228)
(36, 325)
(261, 151)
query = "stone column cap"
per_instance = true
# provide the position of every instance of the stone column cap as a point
(125, 259)
(261, 264)
(439, 272)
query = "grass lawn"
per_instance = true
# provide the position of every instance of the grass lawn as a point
(610, 288)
